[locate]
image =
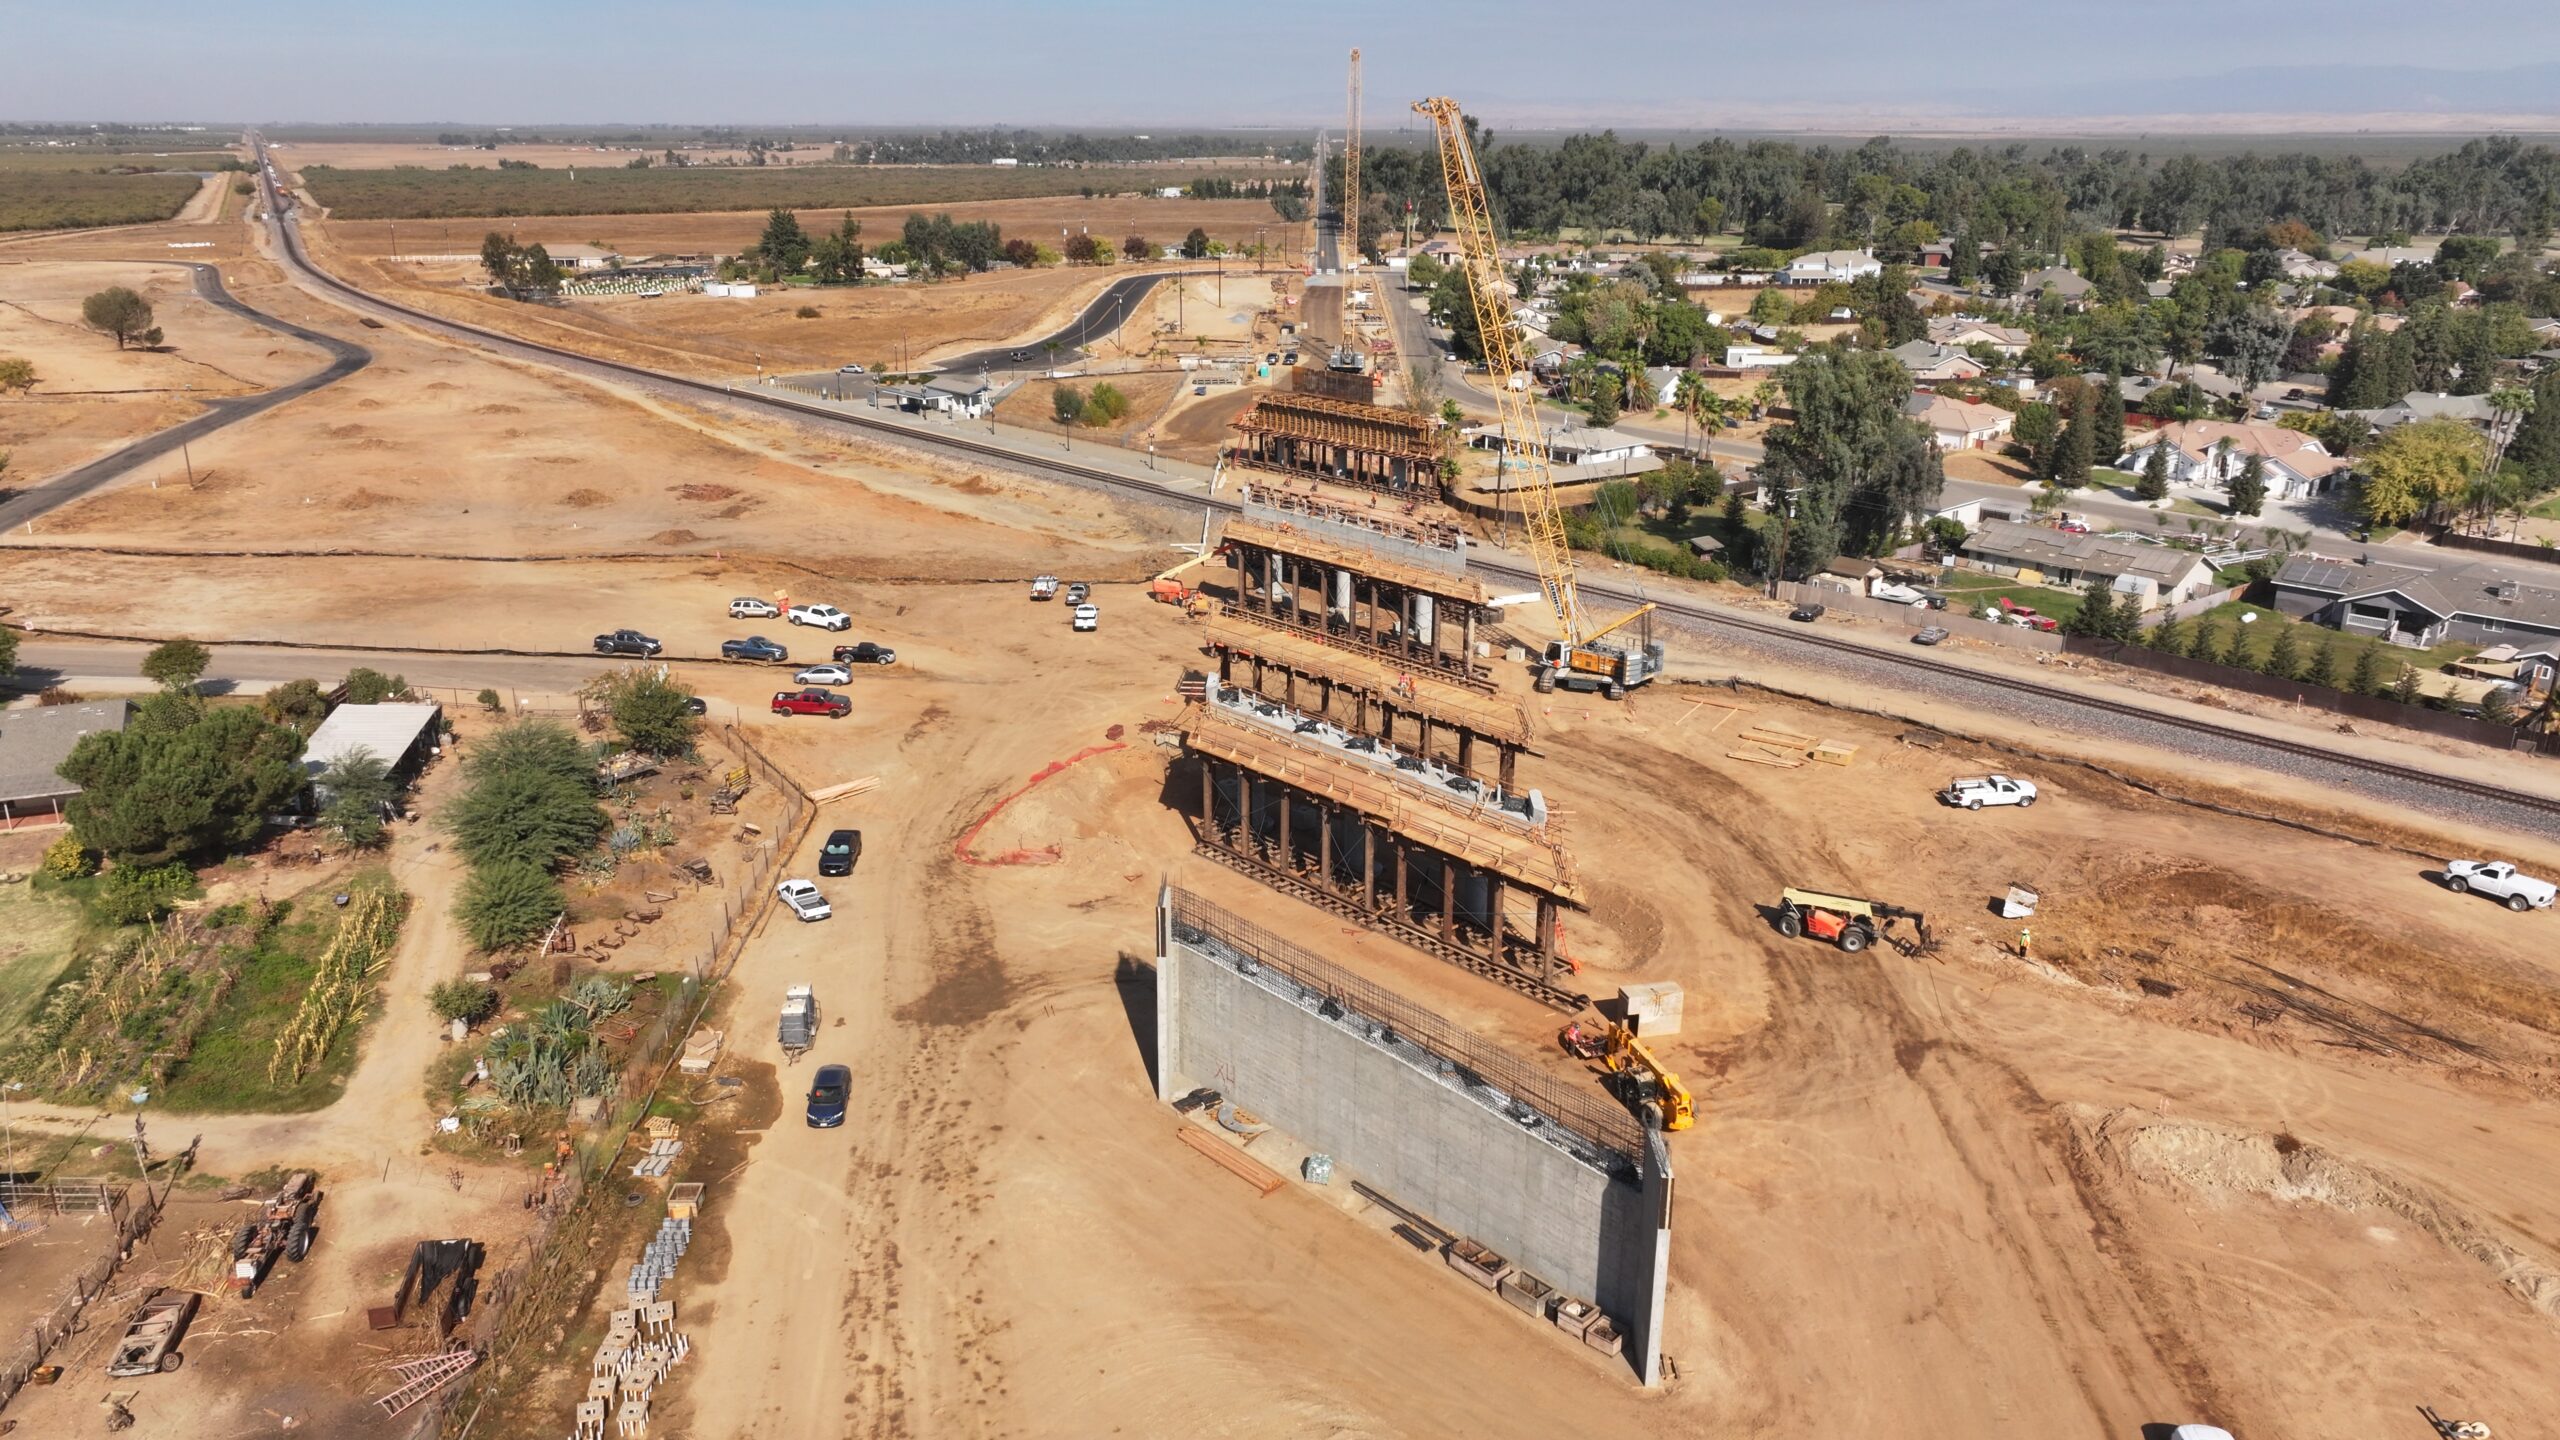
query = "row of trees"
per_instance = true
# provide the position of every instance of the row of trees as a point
(1878, 193)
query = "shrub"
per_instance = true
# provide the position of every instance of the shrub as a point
(134, 895)
(65, 859)
(466, 1000)
(360, 789)
(807, 312)
(372, 687)
(176, 664)
(490, 702)
(297, 703)
(649, 711)
(527, 816)
(1106, 405)
(16, 374)
(507, 902)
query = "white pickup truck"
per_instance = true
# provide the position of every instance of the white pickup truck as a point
(2499, 880)
(1044, 587)
(1976, 791)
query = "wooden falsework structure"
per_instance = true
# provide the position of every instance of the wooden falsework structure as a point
(1462, 728)
(1340, 441)
(1400, 857)
(1366, 600)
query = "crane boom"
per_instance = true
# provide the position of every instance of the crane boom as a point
(1351, 175)
(1524, 446)
(1578, 661)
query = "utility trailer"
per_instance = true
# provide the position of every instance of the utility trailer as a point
(286, 1225)
(799, 1021)
(150, 1343)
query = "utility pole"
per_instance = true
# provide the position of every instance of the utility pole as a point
(1786, 518)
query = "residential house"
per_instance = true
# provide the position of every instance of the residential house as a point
(1959, 424)
(2297, 265)
(34, 743)
(2419, 405)
(968, 397)
(2407, 605)
(2546, 330)
(1824, 267)
(1664, 382)
(2395, 255)
(1931, 363)
(583, 257)
(2058, 281)
(1964, 333)
(2154, 575)
(2209, 452)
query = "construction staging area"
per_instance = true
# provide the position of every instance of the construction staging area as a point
(1288, 1019)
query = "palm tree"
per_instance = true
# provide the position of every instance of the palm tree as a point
(2509, 404)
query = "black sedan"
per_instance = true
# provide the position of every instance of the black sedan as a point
(869, 652)
(827, 1096)
(754, 647)
(1806, 612)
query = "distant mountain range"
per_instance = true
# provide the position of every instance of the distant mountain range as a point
(2296, 90)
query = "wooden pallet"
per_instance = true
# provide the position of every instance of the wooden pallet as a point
(1762, 755)
(1244, 1167)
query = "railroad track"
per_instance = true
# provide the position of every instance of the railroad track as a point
(2517, 809)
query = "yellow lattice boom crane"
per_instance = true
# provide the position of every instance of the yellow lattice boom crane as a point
(1579, 661)
(1351, 175)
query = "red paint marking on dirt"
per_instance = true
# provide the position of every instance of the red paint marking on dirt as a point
(1045, 855)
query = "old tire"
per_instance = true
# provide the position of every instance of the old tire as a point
(298, 1245)
(170, 1362)
(2519, 904)
(2457, 885)
(1853, 940)
(1790, 924)
(240, 1241)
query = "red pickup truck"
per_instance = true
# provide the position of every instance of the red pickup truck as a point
(811, 702)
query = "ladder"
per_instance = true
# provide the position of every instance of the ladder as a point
(425, 1377)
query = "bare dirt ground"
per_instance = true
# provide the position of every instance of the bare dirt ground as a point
(91, 397)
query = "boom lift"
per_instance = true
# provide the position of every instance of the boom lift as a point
(1851, 923)
(1641, 1079)
(1579, 661)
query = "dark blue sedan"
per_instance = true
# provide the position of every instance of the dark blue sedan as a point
(827, 1096)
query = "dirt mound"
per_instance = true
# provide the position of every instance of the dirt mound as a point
(2223, 1168)
(439, 385)
(555, 459)
(369, 500)
(496, 409)
(675, 537)
(345, 432)
(368, 403)
(702, 492)
(585, 499)
(734, 511)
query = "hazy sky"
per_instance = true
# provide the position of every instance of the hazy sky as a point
(1161, 63)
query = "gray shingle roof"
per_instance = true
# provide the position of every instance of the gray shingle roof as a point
(34, 742)
(2468, 591)
(2100, 554)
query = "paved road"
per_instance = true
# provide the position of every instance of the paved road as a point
(43, 662)
(346, 359)
(1109, 311)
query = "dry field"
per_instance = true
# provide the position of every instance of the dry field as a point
(91, 397)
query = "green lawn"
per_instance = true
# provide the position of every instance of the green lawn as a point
(1966, 589)
(2547, 510)
(40, 933)
(226, 1073)
(2258, 637)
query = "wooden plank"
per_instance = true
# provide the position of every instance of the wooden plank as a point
(1237, 1163)
(1782, 739)
(1766, 757)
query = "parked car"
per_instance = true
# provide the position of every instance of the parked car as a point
(828, 1091)
(869, 652)
(823, 675)
(851, 370)
(2499, 880)
(801, 897)
(748, 607)
(1088, 617)
(626, 642)
(842, 849)
(811, 702)
(1929, 635)
(1044, 587)
(754, 647)
(1807, 612)
(825, 617)
(1078, 593)
(1974, 792)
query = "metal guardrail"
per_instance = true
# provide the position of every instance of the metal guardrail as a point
(1586, 1112)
